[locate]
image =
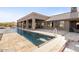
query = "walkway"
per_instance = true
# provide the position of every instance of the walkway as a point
(14, 42)
(73, 45)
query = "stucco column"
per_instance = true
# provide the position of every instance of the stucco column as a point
(45, 25)
(17, 24)
(27, 23)
(33, 23)
(66, 25)
(50, 24)
(22, 24)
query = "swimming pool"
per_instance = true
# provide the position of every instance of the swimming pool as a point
(35, 38)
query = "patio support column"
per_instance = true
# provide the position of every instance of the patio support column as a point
(66, 25)
(50, 24)
(17, 24)
(27, 24)
(45, 24)
(33, 23)
(22, 24)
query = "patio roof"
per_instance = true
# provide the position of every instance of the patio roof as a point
(34, 15)
(64, 16)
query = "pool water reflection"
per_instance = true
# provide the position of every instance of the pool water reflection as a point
(35, 38)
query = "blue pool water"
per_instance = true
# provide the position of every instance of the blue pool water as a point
(35, 38)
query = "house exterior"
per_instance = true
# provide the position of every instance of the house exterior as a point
(33, 21)
(65, 21)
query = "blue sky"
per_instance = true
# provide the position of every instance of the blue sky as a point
(9, 14)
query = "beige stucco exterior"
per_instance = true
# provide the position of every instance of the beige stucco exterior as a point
(32, 16)
(36, 20)
(66, 25)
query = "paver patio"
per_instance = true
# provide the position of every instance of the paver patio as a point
(15, 42)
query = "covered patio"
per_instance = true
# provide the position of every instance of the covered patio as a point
(33, 21)
(66, 21)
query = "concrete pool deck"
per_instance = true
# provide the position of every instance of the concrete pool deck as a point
(73, 45)
(13, 42)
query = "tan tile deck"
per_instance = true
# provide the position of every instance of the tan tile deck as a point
(15, 42)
